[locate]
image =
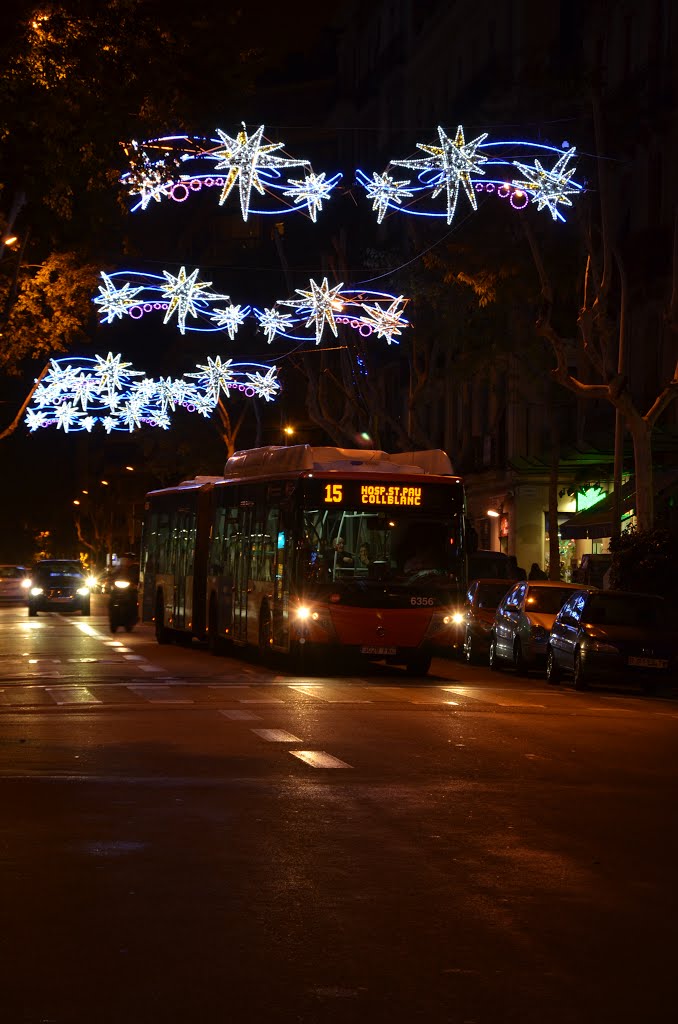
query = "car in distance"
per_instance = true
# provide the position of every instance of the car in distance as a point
(12, 580)
(613, 634)
(523, 621)
(58, 585)
(123, 603)
(480, 606)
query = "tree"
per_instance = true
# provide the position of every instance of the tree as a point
(602, 322)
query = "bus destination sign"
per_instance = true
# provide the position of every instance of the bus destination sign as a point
(374, 494)
(382, 496)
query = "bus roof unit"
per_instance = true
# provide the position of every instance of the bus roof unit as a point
(302, 458)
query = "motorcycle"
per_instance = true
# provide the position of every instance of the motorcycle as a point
(123, 603)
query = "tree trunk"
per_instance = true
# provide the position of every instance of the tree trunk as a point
(641, 435)
(554, 546)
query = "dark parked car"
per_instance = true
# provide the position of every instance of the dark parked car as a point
(523, 621)
(616, 635)
(123, 603)
(58, 585)
(482, 599)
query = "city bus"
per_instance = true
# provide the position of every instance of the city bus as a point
(300, 548)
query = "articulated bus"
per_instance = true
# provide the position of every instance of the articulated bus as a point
(300, 548)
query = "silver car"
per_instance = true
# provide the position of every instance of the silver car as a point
(12, 587)
(523, 621)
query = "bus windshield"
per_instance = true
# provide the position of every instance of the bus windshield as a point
(405, 546)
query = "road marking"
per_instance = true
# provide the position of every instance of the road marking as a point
(71, 695)
(276, 736)
(151, 668)
(311, 690)
(490, 697)
(319, 759)
(269, 700)
(134, 657)
(158, 695)
(241, 716)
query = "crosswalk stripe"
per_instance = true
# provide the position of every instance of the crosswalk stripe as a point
(241, 716)
(71, 695)
(319, 759)
(158, 695)
(276, 736)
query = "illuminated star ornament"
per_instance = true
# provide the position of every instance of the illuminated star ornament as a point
(134, 294)
(320, 304)
(79, 393)
(197, 308)
(548, 188)
(384, 191)
(456, 160)
(481, 168)
(179, 167)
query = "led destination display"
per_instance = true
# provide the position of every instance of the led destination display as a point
(377, 495)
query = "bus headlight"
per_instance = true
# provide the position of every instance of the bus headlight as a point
(303, 613)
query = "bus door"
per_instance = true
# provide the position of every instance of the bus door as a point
(242, 584)
(183, 578)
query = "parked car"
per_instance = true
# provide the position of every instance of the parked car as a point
(12, 580)
(123, 603)
(58, 585)
(482, 599)
(523, 621)
(613, 634)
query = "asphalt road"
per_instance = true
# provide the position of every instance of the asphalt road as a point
(187, 838)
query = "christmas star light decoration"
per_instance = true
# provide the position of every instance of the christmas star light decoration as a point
(273, 322)
(267, 385)
(116, 401)
(385, 322)
(230, 318)
(244, 156)
(116, 302)
(482, 167)
(313, 189)
(183, 292)
(320, 303)
(456, 160)
(179, 167)
(216, 376)
(548, 188)
(384, 190)
(148, 178)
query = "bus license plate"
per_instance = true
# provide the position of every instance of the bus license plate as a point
(649, 662)
(381, 651)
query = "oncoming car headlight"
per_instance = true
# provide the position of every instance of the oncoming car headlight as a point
(91, 582)
(82, 591)
(26, 584)
(35, 591)
(121, 584)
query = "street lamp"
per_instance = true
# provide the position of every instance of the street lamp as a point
(288, 432)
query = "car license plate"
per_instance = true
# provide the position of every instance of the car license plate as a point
(649, 662)
(382, 651)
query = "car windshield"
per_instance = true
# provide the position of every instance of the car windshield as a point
(626, 610)
(11, 572)
(51, 569)
(489, 595)
(546, 600)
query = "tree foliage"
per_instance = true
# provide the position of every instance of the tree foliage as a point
(646, 561)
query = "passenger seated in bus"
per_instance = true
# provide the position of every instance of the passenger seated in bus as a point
(364, 556)
(343, 559)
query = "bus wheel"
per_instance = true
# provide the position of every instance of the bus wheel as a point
(418, 665)
(264, 633)
(162, 633)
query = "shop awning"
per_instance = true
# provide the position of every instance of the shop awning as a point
(596, 522)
